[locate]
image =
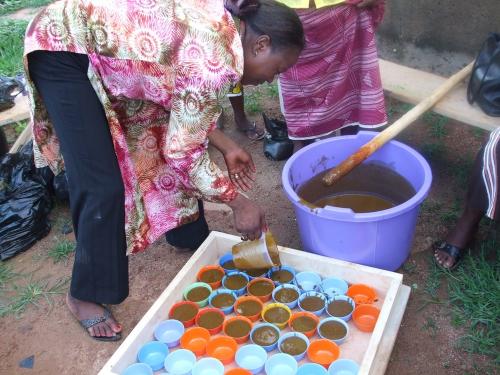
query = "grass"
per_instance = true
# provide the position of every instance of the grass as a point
(253, 102)
(9, 6)
(432, 151)
(20, 126)
(6, 274)
(61, 250)
(430, 326)
(437, 124)
(272, 90)
(11, 46)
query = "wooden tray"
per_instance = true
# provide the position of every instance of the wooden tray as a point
(371, 351)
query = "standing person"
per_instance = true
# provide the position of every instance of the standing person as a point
(127, 93)
(483, 199)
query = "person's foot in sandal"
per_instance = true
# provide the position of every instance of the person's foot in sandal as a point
(249, 128)
(95, 318)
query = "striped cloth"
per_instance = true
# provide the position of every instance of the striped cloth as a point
(336, 81)
(491, 173)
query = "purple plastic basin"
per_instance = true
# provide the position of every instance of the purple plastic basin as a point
(379, 239)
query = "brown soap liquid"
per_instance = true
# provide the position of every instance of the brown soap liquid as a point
(210, 320)
(276, 315)
(367, 188)
(223, 300)
(339, 308)
(312, 303)
(265, 336)
(282, 276)
(261, 288)
(235, 282)
(293, 346)
(198, 294)
(257, 272)
(237, 329)
(211, 276)
(248, 308)
(286, 295)
(303, 324)
(184, 312)
(332, 330)
(229, 265)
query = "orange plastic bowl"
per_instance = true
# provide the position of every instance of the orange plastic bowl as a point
(195, 339)
(223, 348)
(214, 284)
(189, 322)
(237, 371)
(263, 298)
(365, 317)
(308, 314)
(323, 352)
(240, 300)
(213, 330)
(362, 294)
(239, 339)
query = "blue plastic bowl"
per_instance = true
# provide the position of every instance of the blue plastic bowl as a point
(313, 294)
(226, 310)
(347, 317)
(153, 354)
(138, 369)
(169, 332)
(180, 362)
(292, 304)
(281, 364)
(285, 268)
(340, 321)
(307, 281)
(343, 367)
(312, 369)
(267, 348)
(297, 357)
(208, 366)
(240, 291)
(226, 258)
(251, 357)
(333, 286)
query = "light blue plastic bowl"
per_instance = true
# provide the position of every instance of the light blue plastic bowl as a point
(180, 362)
(138, 369)
(225, 310)
(267, 348)
(340, 321)
(251, 357)
(292, 304)
(153, 354)
(315, 294)
(343, 367)
(226, 258)
(297, 357)
(333, 286)
(238, 292)
(286, 268)
(169, 332)
(311, 369)
(307, 281)
(281, 364)
(347, 317)
(208, 366)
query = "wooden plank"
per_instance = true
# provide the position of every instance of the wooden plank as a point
(20, 111)
(412, 86)
(23, 138)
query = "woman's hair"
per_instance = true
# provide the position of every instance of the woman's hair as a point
(269, 17)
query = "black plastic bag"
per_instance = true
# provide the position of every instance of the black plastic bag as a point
(277, 145)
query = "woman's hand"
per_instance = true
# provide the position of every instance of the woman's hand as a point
(248, 217)
(240, 167)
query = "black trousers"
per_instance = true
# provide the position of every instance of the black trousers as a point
(100, 270)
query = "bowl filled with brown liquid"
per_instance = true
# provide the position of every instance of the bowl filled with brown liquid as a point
(314, 302)
(281, 275)
(340, 307)
(288, 294)
(198, 293)
(236, 282)
(294, 343)
(333, 329)
(222, 299)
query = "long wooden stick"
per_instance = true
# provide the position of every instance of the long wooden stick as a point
(336, 173)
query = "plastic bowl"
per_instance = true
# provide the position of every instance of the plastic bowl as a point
(343, 367)
(226, 310)
(333, 286)
(251, 357)
(172, 314)
(323, 352)
(261, 280)
(292, 304)
(297, 315)
(257, 301)
(180, 362)
(195, 339)
(223, 348)
(307, 281)
(212, 327)
(269, 347)
(299, 335)
(279, 324)
(281, 364)
(311, 369)
(362, 294)
(347, 299)
(214, 282)
(169, 332)
(138, 369)
(224, 259)
(208, 366)
(238, 371)
(230, 321)
(277, 278)
(305, 295)
(239, 291)
(338, 340)
(365, 317)
(153, 354)
(253, 274)
(201, 302)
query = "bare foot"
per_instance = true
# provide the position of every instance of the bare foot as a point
(88, 310)
(250, 129)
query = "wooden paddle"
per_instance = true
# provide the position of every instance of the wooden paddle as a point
(336, 173)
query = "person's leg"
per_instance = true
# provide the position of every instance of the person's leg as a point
(96, 193)
(243, 124)
(189, 236)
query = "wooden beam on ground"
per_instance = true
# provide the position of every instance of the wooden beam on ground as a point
(412, 86)
(19, 112)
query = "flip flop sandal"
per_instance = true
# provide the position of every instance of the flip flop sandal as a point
(88, 323)
(453, 251)
(252, 129)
